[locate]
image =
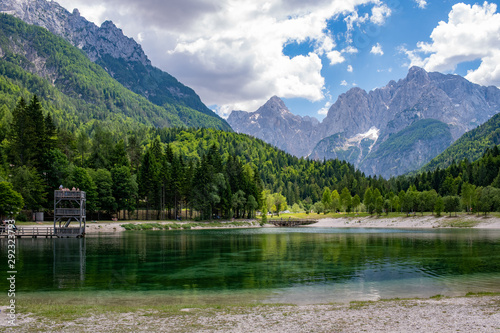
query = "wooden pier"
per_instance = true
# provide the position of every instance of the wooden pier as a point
(44, 232)
(290, 222)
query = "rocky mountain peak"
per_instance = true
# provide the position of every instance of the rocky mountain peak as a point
(108, 25)
(105, 45)
(96, 41)
(275, 124)
(414, 119)
(274, 106)
(418, 75)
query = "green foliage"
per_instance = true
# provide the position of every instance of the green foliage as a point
(276, 202)
(425, 201)
(29, 184)
(346, 200)
(295, 208)
(295, 178)
(162, 89)
(369, 200)
(103, 181)
(356, 201)
(451, 204)
(326, 200)
(78, 92)
(209, 173)
(470, 146)
(79, 178)
(319, 207)
(124, 188)
(421, 130)
(488, 199)
(11, 202)
(438, 206)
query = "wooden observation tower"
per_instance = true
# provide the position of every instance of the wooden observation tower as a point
(69, 206)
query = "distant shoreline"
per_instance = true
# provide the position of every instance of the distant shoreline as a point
(411, 222)
(402, 221)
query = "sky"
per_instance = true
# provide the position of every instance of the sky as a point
(236, 54)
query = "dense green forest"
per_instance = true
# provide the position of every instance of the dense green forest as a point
(471, 145)
(425, 129)
(77, 92)
(207, 173)
(161, 89)
(163, 170)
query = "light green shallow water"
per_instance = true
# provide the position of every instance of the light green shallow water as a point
(279, 265)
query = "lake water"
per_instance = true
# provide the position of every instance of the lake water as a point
(278, 265)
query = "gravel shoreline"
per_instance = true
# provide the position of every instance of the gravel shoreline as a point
(412, 222)
(464, 314)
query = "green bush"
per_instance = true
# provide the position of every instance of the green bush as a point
(21, 217)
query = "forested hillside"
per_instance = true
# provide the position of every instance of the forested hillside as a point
(76, 91)
(471, 145)
(410, 148)
(208, 173)
(155, 168)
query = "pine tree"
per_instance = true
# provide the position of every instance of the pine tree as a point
(148, 179)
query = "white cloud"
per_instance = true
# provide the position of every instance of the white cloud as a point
(350, 49)
(471, 33)
(335, 57)
(343, 83)
(380, 13)
(377, 49)
(231, 51)
(421, 3)
(324, 110)
(349, 68)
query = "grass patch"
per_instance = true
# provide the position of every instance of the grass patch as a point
(131, 226)
(482, 294)
(459, 224)
(185, 226)
(333, 215)
(69, 308)
(143, 226)
(355, 305)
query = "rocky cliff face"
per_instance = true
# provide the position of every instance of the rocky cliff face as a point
(95, 41)
(116, 53)
(449, 99)
(421, 95)
(359, 122)
(275, 124)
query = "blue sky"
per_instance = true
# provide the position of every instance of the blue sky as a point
(236, 54)
(407, 25)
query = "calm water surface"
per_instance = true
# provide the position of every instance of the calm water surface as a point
(291, 265)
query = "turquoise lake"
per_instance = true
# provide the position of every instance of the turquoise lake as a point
(278, 265)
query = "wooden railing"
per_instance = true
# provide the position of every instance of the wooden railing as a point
(27, 231)
(69, 211)
(70, 194)
(44, 232)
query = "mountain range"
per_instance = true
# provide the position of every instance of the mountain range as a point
(388, 131)
(89, 75)
(120, 56)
